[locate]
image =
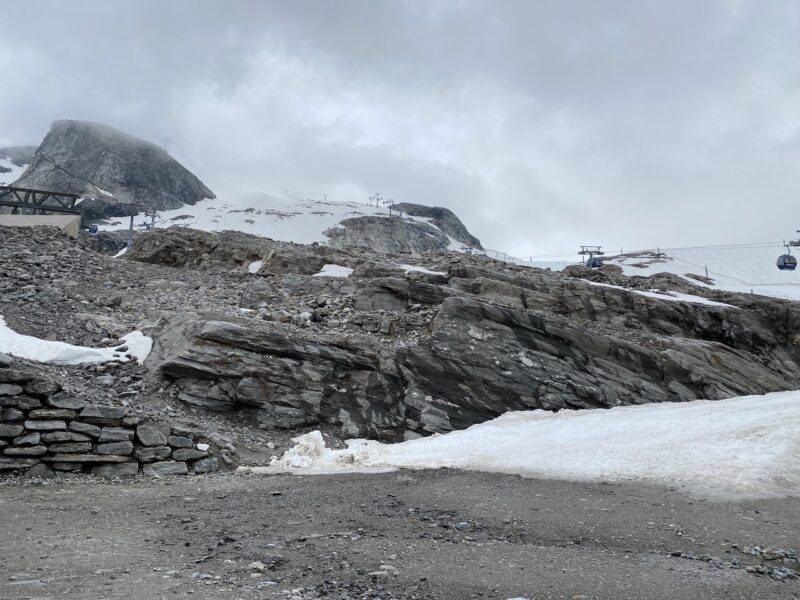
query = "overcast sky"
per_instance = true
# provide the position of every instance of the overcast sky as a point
(543, 125)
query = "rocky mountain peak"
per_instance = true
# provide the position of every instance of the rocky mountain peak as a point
(98, 161)
(445, 219)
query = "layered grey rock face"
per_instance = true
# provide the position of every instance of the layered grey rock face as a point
(387, 235)
(444, 219)
(98, 161)
(419, 353)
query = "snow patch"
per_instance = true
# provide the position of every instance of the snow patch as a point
(104, 192)
(744, 447)
(664, 295)
(416, 269)
(7, 178)
(255, 266)
(133, 346)
(121, 252)
(334, 271)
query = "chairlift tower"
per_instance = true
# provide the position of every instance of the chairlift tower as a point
(593, 252)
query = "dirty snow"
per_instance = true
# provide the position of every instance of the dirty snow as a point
(334, 271)
(60, 353)
(663, 295)
(743, 447)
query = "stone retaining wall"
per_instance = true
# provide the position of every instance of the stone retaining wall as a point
(42, 425)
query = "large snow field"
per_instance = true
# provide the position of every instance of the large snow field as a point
(285, 219)
(137, 346)
(746, 447)
(744, 270)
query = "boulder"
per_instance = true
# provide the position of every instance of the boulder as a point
(161, 469)
(45, 425)
(63, 400)
(205, 465)
(115, 434)
(152, 453)
(148, 435)
(127, 469)
(188, 454)
(114, 448)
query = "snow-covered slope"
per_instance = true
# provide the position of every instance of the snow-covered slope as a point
(744, 447)
(743, 269)
(134, 346)
(9, 177)
(300, 221)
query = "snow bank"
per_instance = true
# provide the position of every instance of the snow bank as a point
(334, 271)
(416, 269)
(60, 353)
(671, 296)
(742, 447)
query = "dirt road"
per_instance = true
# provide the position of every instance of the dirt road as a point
(426, 535)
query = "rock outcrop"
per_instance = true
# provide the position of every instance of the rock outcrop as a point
(112, 167)
(418, 353)
(389, 235)
(444, 219)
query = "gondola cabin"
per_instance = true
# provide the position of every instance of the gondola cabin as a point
(787, 262)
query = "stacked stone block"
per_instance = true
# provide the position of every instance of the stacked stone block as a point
(41, 425)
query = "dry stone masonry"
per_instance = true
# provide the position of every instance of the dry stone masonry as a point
(44, 429)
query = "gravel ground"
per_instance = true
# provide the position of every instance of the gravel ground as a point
(425, 535)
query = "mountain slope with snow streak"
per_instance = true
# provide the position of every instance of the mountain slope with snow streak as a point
(284, 219)
(734, 268)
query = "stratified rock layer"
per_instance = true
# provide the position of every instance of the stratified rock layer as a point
(387, 235)
(501, 338)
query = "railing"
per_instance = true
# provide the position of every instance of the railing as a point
(30, 202)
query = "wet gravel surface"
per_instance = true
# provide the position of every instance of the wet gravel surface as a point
(436, 534)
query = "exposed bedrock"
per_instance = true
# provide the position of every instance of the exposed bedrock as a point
(387, 235)
(500, 339)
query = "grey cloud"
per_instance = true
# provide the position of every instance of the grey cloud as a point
(542, 124)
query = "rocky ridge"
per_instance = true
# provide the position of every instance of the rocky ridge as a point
(387, 235)
(388, 353)
(248, 337)
(444, 219)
